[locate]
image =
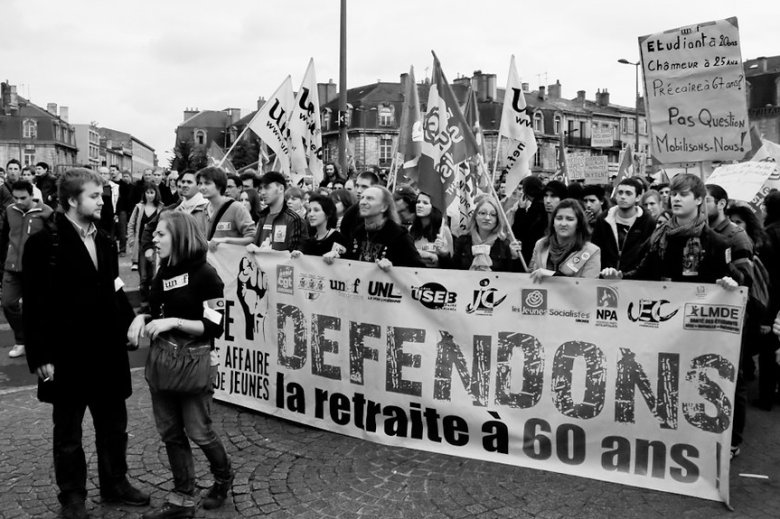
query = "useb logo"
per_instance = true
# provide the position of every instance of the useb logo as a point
(485, 299)
(284, 279)
(434, 296)
(651, 313)
(533, 301)
(727, 318)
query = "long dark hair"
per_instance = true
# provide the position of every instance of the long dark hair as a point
(328, 207)
(583, 231)
(430, 231)
(753, 226)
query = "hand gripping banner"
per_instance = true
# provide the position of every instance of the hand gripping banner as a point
(624, 381)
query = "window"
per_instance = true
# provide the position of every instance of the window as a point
(29, 157)
(557, 125)
(30, 129)
(385, 150)
(326, 119)
(348, 115)
(583, 129)
(538, 123)
(643, 126)
(326, 154)
(538, 157)
(625, 124)
(200, 137)
(385, 116)
(631, 126)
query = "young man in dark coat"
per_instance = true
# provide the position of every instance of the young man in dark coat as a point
(76, 317)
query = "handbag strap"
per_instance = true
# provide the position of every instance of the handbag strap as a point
(217, 218)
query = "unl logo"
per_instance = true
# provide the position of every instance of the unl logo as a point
(647, 311)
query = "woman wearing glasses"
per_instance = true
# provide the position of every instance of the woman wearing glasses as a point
(566, 250)
(486, 246)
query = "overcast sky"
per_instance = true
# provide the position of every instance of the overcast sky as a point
(135, 66)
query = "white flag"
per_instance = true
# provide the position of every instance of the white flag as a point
(306, 130)
(271, 123)
(517, 128)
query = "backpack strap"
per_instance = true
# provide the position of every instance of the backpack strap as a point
(217, 218)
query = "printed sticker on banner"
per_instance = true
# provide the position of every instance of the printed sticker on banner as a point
(650, 313)
(485, 299)
(726, 318)
(284, 279)
(224, 226)
(606, 307)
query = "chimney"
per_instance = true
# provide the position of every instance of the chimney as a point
(526, 87)
(542, 93)
(234, 113)
(189, 112)
(555, 90)
(490, 87)
(327, 92)
(51, 108)
(260, 102)
(581, 97)
(763, 61)
(603, 98)
(64, 113)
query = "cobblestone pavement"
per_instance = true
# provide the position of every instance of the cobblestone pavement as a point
(285, 470)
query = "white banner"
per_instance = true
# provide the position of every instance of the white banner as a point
(517, 127)
(695, 89)
(742, 181)
(271, 123)
(306, 130)
(626, 382)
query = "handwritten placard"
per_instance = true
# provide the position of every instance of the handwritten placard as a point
(695, 90)
(743, 181)
(593, 170)
(601, 138)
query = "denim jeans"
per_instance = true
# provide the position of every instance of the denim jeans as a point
(12, 303)
(183, 417)
(70, 465)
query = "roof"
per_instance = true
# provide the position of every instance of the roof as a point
(207, 119)
(755, 67)
(29, 109)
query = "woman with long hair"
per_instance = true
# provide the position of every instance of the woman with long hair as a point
(486, 246)
(144, 211)
(743, 216)
(566, 250)
(182, 325)
(431, 238)
(323, 234)
(251, 201)
(343, 200)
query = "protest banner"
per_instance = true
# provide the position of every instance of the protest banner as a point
(592, 169)
(695, 90)
(270, 123)
(601, 138)
(742, 181)
(306, 130)
(622, 381)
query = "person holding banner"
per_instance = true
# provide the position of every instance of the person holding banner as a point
(432, 239)
(182, 326)
(566, 250)
(323, 235)
(486, 246)
(530, 219)
(379, 237)
(279, 227)
(227, 220)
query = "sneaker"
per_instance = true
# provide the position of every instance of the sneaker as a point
(170, 511)
(134, 266)
(16, 351)
(735, 451)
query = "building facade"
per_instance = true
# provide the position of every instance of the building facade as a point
(32, 134)
(763, 95)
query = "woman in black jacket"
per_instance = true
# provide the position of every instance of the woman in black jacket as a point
(182, 326)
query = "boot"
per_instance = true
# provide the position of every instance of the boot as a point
(217, 494)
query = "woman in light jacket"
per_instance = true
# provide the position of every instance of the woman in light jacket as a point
(566, 250)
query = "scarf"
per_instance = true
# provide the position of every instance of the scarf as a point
(558, 252)
(187, 206)
(671, 228)
(482, 261)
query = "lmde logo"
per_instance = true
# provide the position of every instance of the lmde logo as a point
(650, 313)
(435, 296)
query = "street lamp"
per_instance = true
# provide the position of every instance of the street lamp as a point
(636, 103)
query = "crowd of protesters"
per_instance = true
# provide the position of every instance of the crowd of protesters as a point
(166, 222)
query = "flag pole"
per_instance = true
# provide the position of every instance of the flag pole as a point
(495, 160)
(234, 144)
(501, 212)
(393, 168)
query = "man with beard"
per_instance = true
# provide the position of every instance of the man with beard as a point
(76, 317)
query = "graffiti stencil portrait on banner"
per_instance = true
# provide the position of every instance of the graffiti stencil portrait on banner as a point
(619, 381)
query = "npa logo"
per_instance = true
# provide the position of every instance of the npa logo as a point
(383, 291)
(284, 279)
(435, 296)
(312, 285)
(650, 313)
(346, 288)
(533, 301)
(606, 307)
(485, 299)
